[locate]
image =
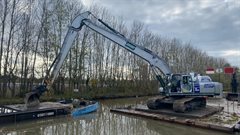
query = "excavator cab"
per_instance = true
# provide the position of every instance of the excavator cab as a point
(176, 82)
(181, 83)
(186, 84)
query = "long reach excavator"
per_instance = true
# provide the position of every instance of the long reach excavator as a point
(180, 92)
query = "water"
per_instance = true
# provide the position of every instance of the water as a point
(102, 123)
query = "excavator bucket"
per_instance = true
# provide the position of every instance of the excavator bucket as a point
(31, 99)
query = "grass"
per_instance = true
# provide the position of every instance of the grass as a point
(94, 93)
(7, 101)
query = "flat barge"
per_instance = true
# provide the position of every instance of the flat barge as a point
(18, 112)
(205, 118)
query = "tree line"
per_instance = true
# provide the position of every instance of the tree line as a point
(32, 32)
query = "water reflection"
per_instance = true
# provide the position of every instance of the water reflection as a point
(102, 123)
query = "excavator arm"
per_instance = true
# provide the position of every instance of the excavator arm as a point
(157, 64)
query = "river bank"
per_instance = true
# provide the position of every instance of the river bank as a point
(18, 100)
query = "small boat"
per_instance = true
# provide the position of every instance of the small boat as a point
(84, 109)
(81, 107)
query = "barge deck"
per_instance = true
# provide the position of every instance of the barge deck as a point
(18, 112)
(203, 118)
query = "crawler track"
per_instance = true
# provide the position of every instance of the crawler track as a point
(178, 104)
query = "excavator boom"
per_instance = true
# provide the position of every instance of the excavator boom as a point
(158, 65)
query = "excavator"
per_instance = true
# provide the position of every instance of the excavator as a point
(180, 92)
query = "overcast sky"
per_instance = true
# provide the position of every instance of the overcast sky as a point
(210, 25)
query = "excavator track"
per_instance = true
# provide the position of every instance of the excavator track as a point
(177, 104)
(160, 102)
(155, 103)
(188, 104)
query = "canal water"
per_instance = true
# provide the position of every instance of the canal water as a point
(103, 122)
